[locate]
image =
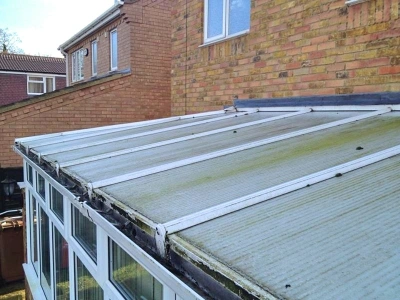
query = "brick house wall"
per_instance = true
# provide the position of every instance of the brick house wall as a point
(13, 87)
(293, 48)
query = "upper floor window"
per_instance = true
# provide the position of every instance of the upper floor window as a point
(225, 18)
(38, 85)
(114, 50)
(77, 65)
(94, 58)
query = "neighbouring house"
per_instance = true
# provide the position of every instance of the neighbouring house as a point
(118, 71)
(264, 200)
(24, 76)
(242, 49)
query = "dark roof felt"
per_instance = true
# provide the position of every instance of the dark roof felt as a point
(30, 63)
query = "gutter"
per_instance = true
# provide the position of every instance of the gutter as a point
(102, 20)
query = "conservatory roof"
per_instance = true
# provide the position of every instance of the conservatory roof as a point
(285, 202)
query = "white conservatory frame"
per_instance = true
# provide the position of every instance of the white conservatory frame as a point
(173, 288)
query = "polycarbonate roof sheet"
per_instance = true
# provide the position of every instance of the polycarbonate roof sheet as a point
(188, 189)
(338, 239)
(83, 136)
(137, 161)
(153, 138)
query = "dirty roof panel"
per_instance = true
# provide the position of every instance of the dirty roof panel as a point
(337, 239)
(202, 185)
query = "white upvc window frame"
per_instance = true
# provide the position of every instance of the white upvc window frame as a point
(113, 51)
(77, 65)
(225, 21)
(173, 288)
(43, 82)
(94, 55)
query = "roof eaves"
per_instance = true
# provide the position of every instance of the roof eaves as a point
(109, 15)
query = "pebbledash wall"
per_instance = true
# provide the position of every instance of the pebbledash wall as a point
(138, 90)
(292, 48)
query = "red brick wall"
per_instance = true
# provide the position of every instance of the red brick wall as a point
(294, 48)
(109, 101)
(13, 87)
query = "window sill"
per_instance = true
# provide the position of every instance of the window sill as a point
(354, 2)
(33, 282)
(240, 34)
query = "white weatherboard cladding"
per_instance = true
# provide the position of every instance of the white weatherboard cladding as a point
(337, 239)
(202, 185)
(137, 161)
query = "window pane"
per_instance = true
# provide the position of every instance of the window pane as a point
(94, 58)
(114, 50)
(34, 224)
(61, 266)
(49, 85)
(84, 232)
(44, 253)
(40, 187)
(30, 174)
(215, 18)
(56, 204)
(35, 88)
(239, 16)
(30, 78)
(131, 278)
(87, 287)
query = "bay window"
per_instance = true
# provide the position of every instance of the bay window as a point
(225, 18)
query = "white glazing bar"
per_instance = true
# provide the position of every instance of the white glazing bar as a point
(130, 125)
(267, 194)
(146, 133)
(181, 139)
(144, 259)
(208, 156)
(325, 108)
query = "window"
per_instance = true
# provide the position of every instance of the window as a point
(29, 173)
(56, 203)
(61, 266)
(84, 232)
(114, 49)
(34, 230)
(77, 65)
(87, 287)
(38, 85)
(94, 58)
(40, 187)
(45, 277)
(131, 278)
(225, 18)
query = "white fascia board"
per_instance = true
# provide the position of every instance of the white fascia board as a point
(108, 16)
(130, 125)
(324, 108)
(123, 138)
(219, 153)
(178, 140)
(144, 259)
(33, 74)
(273, 192)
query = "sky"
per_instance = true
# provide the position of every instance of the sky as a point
(43, 25)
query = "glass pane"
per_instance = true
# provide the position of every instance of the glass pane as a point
(114, 50)
(49, 85)
(40, 187)
(45, 253)
(80, 64)
(30, 174)
(84, 232)
(35, 87)
(94, 58)
(56, 204)
(30, 78)
(215, 18)
(131, 278)
(34, 245)
(239, 16)
(87, 287)
(61, 266)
